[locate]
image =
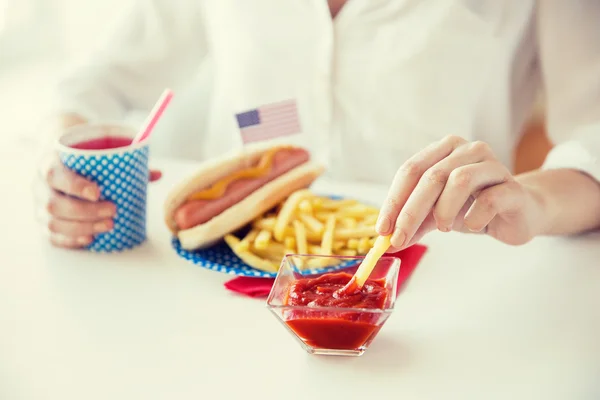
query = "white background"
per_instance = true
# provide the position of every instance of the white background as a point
(37, 38)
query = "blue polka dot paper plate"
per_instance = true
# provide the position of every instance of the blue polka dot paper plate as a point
(220, 258)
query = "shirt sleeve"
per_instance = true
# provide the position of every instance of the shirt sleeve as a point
(569, 50)
(154, 45)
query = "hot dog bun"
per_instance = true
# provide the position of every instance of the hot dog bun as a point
(241, 213)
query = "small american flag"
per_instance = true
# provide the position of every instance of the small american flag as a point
(269, 121)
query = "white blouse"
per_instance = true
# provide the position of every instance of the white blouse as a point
(372, 87)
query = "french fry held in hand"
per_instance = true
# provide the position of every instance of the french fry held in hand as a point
(307, 224)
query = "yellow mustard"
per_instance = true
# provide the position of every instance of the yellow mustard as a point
(217, 189)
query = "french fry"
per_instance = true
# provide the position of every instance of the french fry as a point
(317, 201)
(290, 243)
(301, 242)
(321, 262)
(310, 236)
(359, 210)
(355, 233)
(269, 225)
(264, 224)
(250, 258)
(370, 219)
(366, 267)
(327, 241)
(348, 222)
(352, 244)
(245, 243)
(346, 253)
(262, 240)
(331, 204)
(311, 223)
(314, 249)
(338, 245)
(287, 211)
(350, 218)
(272, 247)
(270, 253)
(363, 246)
(322, 216)
(305, 206)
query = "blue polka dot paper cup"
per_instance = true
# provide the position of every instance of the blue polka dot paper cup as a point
(104, 154)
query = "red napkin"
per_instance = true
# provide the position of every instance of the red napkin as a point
(261, 287)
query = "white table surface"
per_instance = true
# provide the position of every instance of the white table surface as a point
(478, 320)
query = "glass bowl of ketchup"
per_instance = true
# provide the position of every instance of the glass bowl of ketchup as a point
(325, 318)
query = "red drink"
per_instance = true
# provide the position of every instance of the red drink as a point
(104, 143)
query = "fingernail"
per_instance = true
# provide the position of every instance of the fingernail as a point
(82, 240)
(100, 227)
(444, 228)
(107, 212)
(383, 225)
(398, 239)
(90, 193)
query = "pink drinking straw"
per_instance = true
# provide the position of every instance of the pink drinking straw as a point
(154, 116)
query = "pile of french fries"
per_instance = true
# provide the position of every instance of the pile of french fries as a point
(307, 224)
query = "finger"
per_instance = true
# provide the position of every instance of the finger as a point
(65, 207)
(462, 183)
(408, 177)
(67, 242)
(78, 229)
(155, 175)
(429, 188)
(66, 181)
(491, 202)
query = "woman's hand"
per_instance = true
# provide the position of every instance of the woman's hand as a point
(76, 213)
(457, 185)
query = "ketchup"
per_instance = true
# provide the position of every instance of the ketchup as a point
(343, 330)
(105, 143)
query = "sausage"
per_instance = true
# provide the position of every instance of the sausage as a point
(196, 212)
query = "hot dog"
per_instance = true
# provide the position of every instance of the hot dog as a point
(229, 192)
(195, 212)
